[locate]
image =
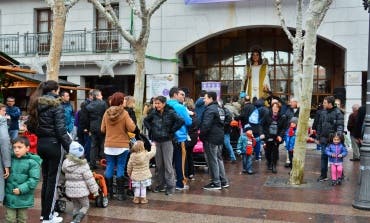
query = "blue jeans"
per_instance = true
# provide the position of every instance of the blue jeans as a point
(87, 146)
(118, 161)
(257, 148)
(247, 163)
(228, 146)
(13, 134)
(324, 161)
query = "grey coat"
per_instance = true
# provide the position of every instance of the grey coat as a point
(78, 177)
(5, 153)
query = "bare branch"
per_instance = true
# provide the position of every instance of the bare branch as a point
(70, 3)
(282, 21)
(50, 3)
(136, 11)
(144, 21)
(323, 12)
(156, 5)
(299, 29)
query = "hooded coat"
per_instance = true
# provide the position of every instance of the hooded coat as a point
(24, 175)
(116, 124)
(79, 178)
(5, 151)
(138, 165)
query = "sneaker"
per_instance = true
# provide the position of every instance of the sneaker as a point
(159, 188)
(186, 187)
(56, 214)
(212, 186)
(180, 188)
(225, 185)
(169, 192)
(54, 220)
(322, 178)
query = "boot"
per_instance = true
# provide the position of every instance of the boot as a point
(136, 200)
(274, 170)
(78, 218)
(109, 182)
(269, 166)
(121, 192)
(143, 200)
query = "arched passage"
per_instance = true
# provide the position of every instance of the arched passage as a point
(222, 57)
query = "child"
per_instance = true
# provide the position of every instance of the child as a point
(138, 170)
(246, 144)
(21, 184)
(336, 151)
(5, 150)
(79, 181)
(289, 138)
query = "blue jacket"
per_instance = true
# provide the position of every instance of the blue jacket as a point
(68, 116)
(243, 141)
(14, 112)
(181, 135)
(290, 140)
(199, 108)
(336, 149)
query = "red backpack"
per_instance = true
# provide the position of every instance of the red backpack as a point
(251, 143)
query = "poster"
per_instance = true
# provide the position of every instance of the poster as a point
(159, 84)
(212, 86)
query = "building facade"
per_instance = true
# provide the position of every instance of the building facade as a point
(193, 43)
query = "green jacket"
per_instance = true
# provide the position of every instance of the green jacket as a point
(25, 175)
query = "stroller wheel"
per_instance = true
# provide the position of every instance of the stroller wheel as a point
(104, 202)
(60, 206)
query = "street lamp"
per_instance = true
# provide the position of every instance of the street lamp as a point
(362, 196)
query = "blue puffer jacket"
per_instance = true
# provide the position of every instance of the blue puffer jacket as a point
(181, 135)
(14, 113)
(333, 149)
(68, 116)
(290, 140)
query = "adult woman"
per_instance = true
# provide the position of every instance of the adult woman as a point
(257, 81)
(116, 124)
(163, 122)
(46, 119)
(273, 124)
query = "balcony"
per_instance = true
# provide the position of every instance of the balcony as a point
(76, 42)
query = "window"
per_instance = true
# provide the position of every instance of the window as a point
(44, 20)
(107, 38)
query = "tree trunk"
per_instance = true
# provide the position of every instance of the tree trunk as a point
(297, 68)
(59, 20)
(139, 55)
(317, 10)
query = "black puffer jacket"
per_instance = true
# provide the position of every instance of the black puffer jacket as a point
(211, 127)
(96, 110)
(51, 122)
(281, 125)
(331, 121)
(163, 126)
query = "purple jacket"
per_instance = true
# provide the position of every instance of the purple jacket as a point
(336, 149)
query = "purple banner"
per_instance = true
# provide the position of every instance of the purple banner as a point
(207, 1)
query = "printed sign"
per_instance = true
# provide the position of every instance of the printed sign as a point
(212, 86)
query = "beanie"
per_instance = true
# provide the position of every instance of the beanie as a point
(294, 120)
(76, 149)
(247, 127)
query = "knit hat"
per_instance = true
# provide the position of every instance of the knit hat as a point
(247, 127)
(76, 149)
(294, 120)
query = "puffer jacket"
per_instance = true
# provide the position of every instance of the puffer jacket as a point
(163, 125)
(95, 110)
(181, 135)
(51, 123)
(116, 124)
(211, 126)
(138, 165)
(14, 112)
(281, 124)
(335, 150)
(331, 121)
(69, 115)
(25, 175)
(79, 178)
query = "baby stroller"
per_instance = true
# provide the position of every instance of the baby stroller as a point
(100, 201)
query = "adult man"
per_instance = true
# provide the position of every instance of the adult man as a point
(181, 136)
(68, 111)
(352, 125)
(83, 125)
(331, 121)
(14, 112)
(212, 135)
(292, 111)
(95, 110)
(199, 105)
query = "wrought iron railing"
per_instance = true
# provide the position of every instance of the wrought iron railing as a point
(75, 41)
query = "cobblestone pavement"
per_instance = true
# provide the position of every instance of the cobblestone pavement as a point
(262, 197)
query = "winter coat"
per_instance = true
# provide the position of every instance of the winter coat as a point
(79, 179)
(181, 135)
(132, 115)
(116, 124)
(68, 115)
(331, 121)
(95, 110)
(333, 149)
(193, 131)
(290, 140)
(281, 126)
(200, 107)
(24, 175)
(290, 113)
(352, 124)
(163, 125)
(5, 152)
(51, 122)
(243, 142)
(138, 165)
(14, 112)
(83, 115)
(211, 126)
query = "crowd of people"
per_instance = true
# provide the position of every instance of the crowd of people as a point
(108, 130)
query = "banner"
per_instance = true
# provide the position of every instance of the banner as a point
(159, 84)
(207, 1)
(212, 86)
